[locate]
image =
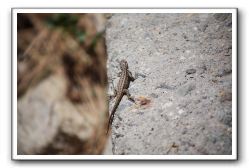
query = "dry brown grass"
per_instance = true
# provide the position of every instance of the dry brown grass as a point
(43, 51)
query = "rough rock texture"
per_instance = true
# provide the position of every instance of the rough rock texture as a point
(183, 90)
(48, 123)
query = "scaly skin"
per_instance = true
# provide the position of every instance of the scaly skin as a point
(122, 89)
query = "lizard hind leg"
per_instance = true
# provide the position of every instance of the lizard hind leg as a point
(126, 92)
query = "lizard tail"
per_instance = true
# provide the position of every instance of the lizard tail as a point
(109, 123)
(112, 113)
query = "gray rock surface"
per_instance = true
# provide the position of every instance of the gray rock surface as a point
(183, 90)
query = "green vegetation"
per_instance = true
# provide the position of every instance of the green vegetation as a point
(68, 22)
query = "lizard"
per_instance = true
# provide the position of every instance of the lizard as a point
(121, 89)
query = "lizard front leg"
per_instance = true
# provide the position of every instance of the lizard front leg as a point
(131, 78)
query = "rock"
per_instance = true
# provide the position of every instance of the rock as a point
(203, 27)
(188, 115)
(154, 95)
(223, 72)
(225, 117)
(140, 74)
(228, 23)
(166, 86)
(225, 96)
(190, 71)
(221, 16)
(48, 123)
(186, 89)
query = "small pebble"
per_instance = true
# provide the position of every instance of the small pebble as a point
(190, 71)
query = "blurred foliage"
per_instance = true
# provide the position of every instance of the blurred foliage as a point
(96, 38)
(70, 36)
(70, 46)
(68, 22)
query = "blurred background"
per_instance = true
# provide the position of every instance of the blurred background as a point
(62, 101)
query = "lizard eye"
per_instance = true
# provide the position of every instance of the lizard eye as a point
(121, 62)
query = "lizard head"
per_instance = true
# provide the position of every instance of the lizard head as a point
(123, 64)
